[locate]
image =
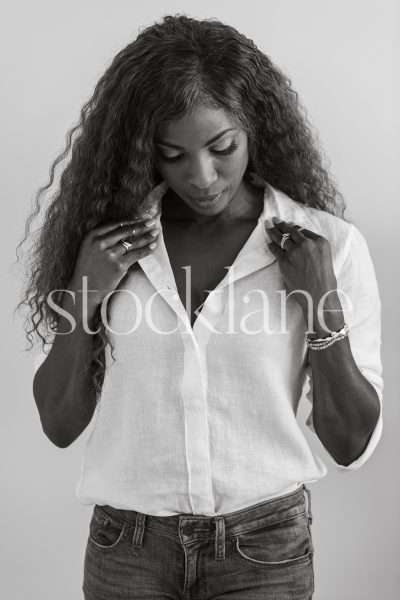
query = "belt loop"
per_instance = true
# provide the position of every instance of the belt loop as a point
(308, 503)
(138, 533)
(219, 537)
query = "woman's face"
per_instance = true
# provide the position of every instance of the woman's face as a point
(205, 154)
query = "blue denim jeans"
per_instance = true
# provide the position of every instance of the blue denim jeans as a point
(264, 551)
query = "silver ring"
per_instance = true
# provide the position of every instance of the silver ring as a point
(126, 245)
(285, 237)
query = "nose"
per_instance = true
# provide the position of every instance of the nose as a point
(202, 175)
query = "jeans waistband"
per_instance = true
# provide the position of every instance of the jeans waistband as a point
(189, 527)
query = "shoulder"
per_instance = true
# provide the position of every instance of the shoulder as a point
(344, 237)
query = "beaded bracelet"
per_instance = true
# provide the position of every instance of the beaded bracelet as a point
(322, 343)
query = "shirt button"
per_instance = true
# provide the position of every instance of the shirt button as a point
(187, 530)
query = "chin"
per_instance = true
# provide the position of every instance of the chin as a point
(209, 209)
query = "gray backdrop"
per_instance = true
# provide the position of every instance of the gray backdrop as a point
(343, 57)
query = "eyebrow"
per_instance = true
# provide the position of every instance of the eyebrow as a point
(214, 139)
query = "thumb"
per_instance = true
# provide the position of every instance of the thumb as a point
(158, 191)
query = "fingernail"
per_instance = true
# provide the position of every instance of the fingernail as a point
(150, 223)
(154, 233)
(153, 245)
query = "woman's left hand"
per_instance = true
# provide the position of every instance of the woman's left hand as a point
(305, 262)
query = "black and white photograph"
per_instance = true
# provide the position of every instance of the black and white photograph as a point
(200, 293)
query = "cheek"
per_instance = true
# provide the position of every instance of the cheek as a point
(166, 171)
(173, 177)
(238, 162)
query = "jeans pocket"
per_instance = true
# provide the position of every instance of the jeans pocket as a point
(106, 532)
(285, 542)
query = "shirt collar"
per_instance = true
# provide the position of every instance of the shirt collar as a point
(253, 256)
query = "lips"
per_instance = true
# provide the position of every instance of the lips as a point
(209, 198)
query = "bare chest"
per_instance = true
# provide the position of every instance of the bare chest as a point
(200, 262)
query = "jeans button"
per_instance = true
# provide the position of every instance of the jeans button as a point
(187, 530)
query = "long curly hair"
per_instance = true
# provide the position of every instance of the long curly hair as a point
(110, 153)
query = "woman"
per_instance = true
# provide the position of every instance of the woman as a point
(205, 274)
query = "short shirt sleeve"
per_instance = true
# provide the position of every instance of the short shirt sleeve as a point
(357, 279)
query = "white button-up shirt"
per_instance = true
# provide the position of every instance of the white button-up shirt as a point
(202, 420)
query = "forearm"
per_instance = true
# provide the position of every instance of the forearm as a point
(61, 386)
(345, 405)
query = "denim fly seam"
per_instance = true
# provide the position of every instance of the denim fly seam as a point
(219, 537)
(137, 538)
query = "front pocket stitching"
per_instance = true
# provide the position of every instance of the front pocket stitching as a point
(261, 563)
(270, 524)
(101, 547)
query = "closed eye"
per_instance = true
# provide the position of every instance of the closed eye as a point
(224, 152)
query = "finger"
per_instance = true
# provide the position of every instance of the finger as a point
(158, 192)
(134, 255)
(309, 233)
(135, 243)
(277, 251)
(127, 233)
(107, 227)
(273, 233)
(155, 195)
(152, 202)
(285, 227)
(276, 237)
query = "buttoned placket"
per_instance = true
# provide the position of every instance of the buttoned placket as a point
(253, 256)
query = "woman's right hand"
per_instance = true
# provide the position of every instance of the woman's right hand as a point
(103, 258)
